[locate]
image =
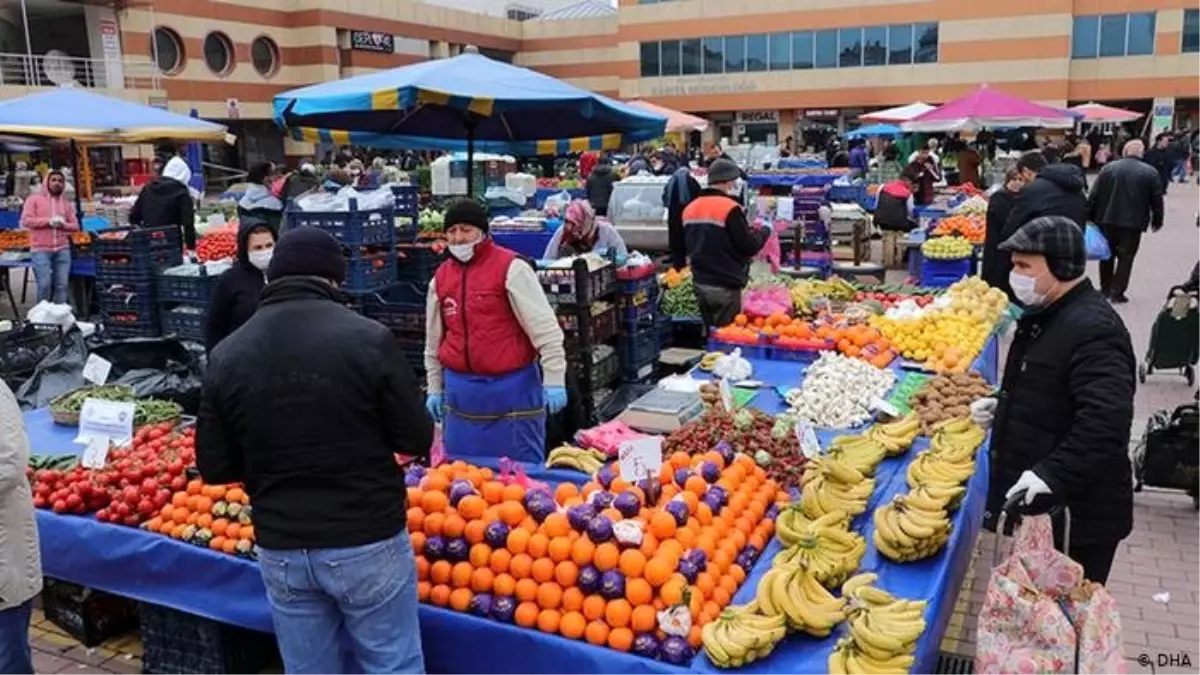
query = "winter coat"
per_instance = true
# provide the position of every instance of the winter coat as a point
(1065, 410)
(1128, 194)
(1162, 161)
(679, 191)
(996, 265)
(306, 405)
(20, 557)
(894, 209)
(235, 299)
(1057, 191)
(166, 200)
(36, 213)
(259, 202)
(720, 242)
(599, 187)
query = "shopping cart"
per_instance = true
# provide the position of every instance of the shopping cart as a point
(1173, 343)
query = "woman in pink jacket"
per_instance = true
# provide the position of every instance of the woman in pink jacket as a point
(50, 219)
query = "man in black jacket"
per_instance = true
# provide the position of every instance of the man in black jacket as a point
(306, 404)
(166, 200)
(1061, 427)
(1161, 158)
(600, 186)
(679, 191)
(1050, 190)
(1126, 200)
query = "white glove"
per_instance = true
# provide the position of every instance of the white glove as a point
(57, 221)
(1031, 484)
(983, 412)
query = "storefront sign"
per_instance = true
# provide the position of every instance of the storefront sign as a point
(156, 101)
(757, 117)
(821, 113)
(698, 86)
(372, 41)
(110, 38)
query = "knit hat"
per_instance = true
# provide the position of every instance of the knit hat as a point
(1056, 237)
(466, 212)
(723, 171)
(307, 252)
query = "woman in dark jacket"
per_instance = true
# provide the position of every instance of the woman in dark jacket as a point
(235, 298)
(166, 200)
(996, 265)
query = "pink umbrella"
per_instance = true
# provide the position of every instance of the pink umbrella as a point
(1098, 113)
(676, 121)
(988, 107)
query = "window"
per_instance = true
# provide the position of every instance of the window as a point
(1085, 34)
(927, 43)
(756, 53)
(1191, 30)
(1115, 35)
(900, 43)
(649, 59)
(714, 56)
(1140, 40)
(780, 51)
(218, 53)
(735, 54)
(264, 54)
(875, 40)
(850, 40)
(167, 49)
(802, 49)
(827, 49)
(691, 57)
(1112, 34)
(670, 57)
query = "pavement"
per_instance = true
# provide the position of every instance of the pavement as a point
(1162, 555)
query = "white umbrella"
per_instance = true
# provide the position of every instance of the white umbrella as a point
(902, 113)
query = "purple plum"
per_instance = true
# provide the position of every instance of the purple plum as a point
(589, 579)
(459, 489)
(681, 476)
(612, 585)
(435, 548)
(457, 549)
(503, 607)
(579, 516)
(710, 472)
(496, 534)
(628, 504)
(676, 650)
(605, 476)
(645, 644)
(481, 604)
(600, 529)
(601, 499)
(679, 511)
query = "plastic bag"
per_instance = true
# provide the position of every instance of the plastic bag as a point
(1096, 243)
(771, 252)
(156, 367)
(59, 372)
(733, 366)
(50, 313)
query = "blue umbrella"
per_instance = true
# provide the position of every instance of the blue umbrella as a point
(88, 117)
(466, 103)
(875, 130)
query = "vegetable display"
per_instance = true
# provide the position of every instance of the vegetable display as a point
(680, 300)
(66, 407)
(947, 248)
(72, 401)
(213, 516)
(837, 391)
(217, 245)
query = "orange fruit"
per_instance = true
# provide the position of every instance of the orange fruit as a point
(572, 600)
(607, 556)
(721, 596)
(672, 591)
(500, 560)
(435, 482)
(695, 485)
(217, 543)
(529, 525)
(527, 590)
(658, 570)
(662, 526)
(439, 572)
(593, 607)
(542, 570)
(236, 495)
(548, 620)
(526, 614)
(194, 486)
(559, 548)
(631, 563)
(493, 492)
(643, 619)
(422, 568)
(504, 584)
(482, 579)
(423, 591)
(649, 545)
(179, 499)
(738, 575)
(460, 574)
(415, 518)
(433, 501)
(706, 583)
(231, 530)
(480, 555)
(582, 551)
(440, 594)
(472, 507)
(620, 639)
(512, 512)
(549, 595)
(556, 524)
(566, 573)
(538, 543)
(596, 633)
(474, 531)
(695, 638)
(520, 566)
(617, 613)
(514, 493)
(638, 591)
(518, 541)
(460, 599)
(572, 624)
(433, 523)
(454, 525)
(565, 491)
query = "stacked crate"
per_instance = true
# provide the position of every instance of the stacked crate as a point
(127, 263)
(368, 239)
(406, 212)
(639, 345)
(183, 303)
(584, 301)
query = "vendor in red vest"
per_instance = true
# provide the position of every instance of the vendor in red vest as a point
(494, 357)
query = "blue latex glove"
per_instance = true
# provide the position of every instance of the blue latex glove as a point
(433, 403)
(620, 260)
(556, 398)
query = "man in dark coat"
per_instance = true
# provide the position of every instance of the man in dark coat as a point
(1126, 200)
(996, 265)
(235, 298)
(679, 191)
(166, 200)
(1063, 416)
(1050, 190)
(600, 186)
(1161, 158)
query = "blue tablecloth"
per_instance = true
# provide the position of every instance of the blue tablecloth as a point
(791, 179)
(543, 193)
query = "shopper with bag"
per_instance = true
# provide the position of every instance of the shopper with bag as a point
(50, 219)
(1126, 200)
(1062, 418)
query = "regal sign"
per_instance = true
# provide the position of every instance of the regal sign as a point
(372, 41)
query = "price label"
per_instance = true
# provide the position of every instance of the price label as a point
(785, 208)
(885, 407)
(95, 454)
(108, 420)
(96, 369)
(810, 446)
(726, 394)
(640, 458)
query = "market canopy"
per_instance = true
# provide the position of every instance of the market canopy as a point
(1098, 113)
(468, 102)
(676, 121)
(987, 107)
(902, 113)
(875, 130)
(88, 117)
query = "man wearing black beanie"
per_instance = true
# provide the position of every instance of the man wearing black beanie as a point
(306, 404)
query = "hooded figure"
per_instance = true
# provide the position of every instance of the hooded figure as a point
(259, 203)
(600, 186)
(235, 298)
(167, 200)
(300, 182)
(582, 233)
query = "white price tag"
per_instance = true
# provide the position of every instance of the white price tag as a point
(95, 454)
(726, 394)
(885, 407)
(109, 420)
(785, 208)
(810, 446)
(640, 458)
(96, 369)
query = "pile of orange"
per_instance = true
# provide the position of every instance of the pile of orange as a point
(216, 516)
(542, 573)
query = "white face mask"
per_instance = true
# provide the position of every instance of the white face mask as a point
(261, 258)
(1025, 288)
(463, 252)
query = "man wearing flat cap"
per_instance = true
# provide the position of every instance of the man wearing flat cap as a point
(1063, 415)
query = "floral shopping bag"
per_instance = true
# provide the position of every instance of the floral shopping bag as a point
(1097, 621)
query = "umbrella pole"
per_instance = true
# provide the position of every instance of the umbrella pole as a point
(470, 123)
(75, 178)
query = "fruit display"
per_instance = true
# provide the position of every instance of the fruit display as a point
(950, 333)
(808, 295)
(975, 206)
(741, 635)
(830, 486)
(680, 299)
(970, 227)
(883, 633)
(14, 240)
(794, 592)
(566, 456)
(218, 517)
(890, 295)
(640, 568)
(217, 245)
(825, 546)
(909, 529)
(948, 396)
(769, 300)
(709, 360)
(837, 391)
(896, 436)
(947, 248)
(771, 444)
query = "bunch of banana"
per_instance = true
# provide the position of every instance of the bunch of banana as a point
(898, 436)
(826, 549)
(830, 486)
(858, 451)
(883, 629)
(794, 592)
(847, 658)
(570, 457)
(957, 438)
(932, 497)
(709, 360)
(907, 530)
(741, 635)
(940, 470)
(791, 525)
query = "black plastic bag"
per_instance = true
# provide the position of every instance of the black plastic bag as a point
(59, 372)
(162, 368)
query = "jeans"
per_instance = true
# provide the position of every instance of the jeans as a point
(1179, 171)
(370, 591)
(52, 270)
(15, 656)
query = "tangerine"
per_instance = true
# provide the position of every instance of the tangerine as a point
(632, 562)
(440, 595)
(518, 541)
(512, 512)
(638, 591)
(492, 491)
(548, 621)
(572, 600)
(482, 579)
(415, 519)
(499, 560)
(526, 614)
(439, 572)
(607, 556)
(433, 524)
(658, 570)
(542, 570)
(423, 591)
(596, 633)
(662, 525)
(565, 491)
(514, 493)
(672, 591)
(593, 607)
(433, 501)
(527, 590)
(566, 573)
(460, 599)
(643, 619)
(582, 551)
(520, 565)
(559, 548)
(504, 585)
(549, 595)
(474, 531)
(538, 543)
(572, 624)
(472, 507)
(556, 524)
(460, 574)
(454, 525)
(422, 568)
(620, 639)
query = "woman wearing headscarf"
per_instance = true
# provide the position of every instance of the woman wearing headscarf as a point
(582, 233)
(167, 200)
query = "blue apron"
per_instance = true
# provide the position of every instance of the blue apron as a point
(495, 415)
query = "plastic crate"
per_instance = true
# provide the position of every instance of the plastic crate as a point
(759, 351)
(23, 347)
(370, 271)
(560, 284)
(942, 273)
(638, 313)
(406, 229)
(175, 642)
(639, 372)
(665, 331)
(638, 347)
(356, 227)
(407, 200)
(603, 372)
(184, 322)
(417, 263)
(846, 193)
(131, 241)
(88, 615)
(603, 325)
(127, 324)
(136, 266)
(180, 288)
(125, 296)
(398, 316)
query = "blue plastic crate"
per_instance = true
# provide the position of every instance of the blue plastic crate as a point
(529, 244)
(406, 230)
(639, 372)
(602, 373)
(138, 241)
(131, 296)
(846, 193)
(942, 273)
(416, 263)
(665, 331)
(639, 346)
(369, 272)
(603, 325)
(129, 324)
(356, 227)
(635, 313)
(504, 211)
(759, 351)
(192, 289)
(648, 286)
(398, 316)
(184, 322)
(135, 266)
(408, 200)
